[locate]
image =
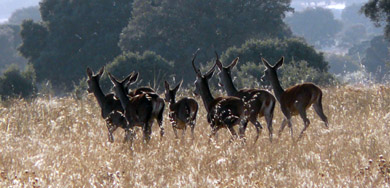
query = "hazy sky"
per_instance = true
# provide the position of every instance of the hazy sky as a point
(9, 6)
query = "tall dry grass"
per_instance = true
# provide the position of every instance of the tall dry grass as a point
(63, 143)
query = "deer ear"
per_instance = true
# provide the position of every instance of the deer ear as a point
(178, 86)
(112, 78)
(219, 64)
(166, 85)
(101, 71)
(133, 78)
(265, 62)
(89, 72)
(234, 63)
(279, 63)
(209, 74)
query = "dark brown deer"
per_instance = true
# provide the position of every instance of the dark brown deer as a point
(182, 112)
(158, 102)
(111, 109)
(137, 109)
(222, 112)
(296, 99)
(259, 102)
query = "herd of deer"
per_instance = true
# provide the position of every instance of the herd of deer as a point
(140, 107)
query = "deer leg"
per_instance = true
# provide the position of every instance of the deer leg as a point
(284, 122)
(291, 128)
(302, 113)
(160, 123)
(111, 128)
(318, 108)
(175, 131)
(147, 131)
(214, 131)
(233, 132)
(129, 134)
(184, 132)
(258, 130)
(268, 119)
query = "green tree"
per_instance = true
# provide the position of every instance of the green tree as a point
(153, 69)
(299, 56)
(14, 83)
(72, 36)
(317, 25)
(377, 57)
(19, 15)
(379, 12)
(9, 41)
(175, 29)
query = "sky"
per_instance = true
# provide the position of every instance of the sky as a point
(9, 6)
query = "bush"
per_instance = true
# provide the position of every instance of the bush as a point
(153, 69)
(302, 62)
(14, 83)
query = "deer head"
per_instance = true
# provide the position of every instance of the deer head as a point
(171, 94)
(270, 72)
(201, 80)
(93, 79)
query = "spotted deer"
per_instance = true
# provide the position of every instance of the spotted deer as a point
(222, 112)
(137, 110)
(182, 112)
(111, 109)
(296, 99)
(259, 102)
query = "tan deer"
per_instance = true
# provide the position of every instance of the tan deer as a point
(296, 99)
(182, 112)
(222, 112)
(111, 109)
(259, 102)
(137, 109)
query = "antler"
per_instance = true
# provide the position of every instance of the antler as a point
(193, 63)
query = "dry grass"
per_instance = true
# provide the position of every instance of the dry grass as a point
(63, 142)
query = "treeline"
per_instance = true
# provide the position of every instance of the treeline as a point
(158, 37)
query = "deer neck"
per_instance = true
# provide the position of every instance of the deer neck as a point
(123, 98)
(100, 97)
(229, 87)
(206, 95)
(278, 90)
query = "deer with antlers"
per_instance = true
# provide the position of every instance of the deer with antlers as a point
(138, 110)
(259, 102)
(222, 112)
(296, 99)
(111, 109)
(182, 112)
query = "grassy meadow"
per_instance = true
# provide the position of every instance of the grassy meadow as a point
(63, 142)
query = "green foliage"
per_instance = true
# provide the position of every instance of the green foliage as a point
(273, 49)
(175, 29)
(14, 83)
(353, 34)
(302, 62)
(72, 36)
(317, 25)
(152, 68)
(19, 15)
(377, 57)
(9, 40)
(379, 12)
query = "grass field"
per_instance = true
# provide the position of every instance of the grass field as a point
(63, 143)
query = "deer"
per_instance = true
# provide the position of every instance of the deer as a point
(182, 112)
(222, 112)
(158, 102)
(259, 102)
(295, 99)
(138, 110)
(111, 109)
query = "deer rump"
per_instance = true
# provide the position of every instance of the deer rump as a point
(226, 110)
(140, 107)
(190, 107)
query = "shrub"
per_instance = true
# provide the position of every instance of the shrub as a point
(14, 83)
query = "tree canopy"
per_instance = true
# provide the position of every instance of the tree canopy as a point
(72, 36)
(317, 25)
(174, 29)
(379, 12)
